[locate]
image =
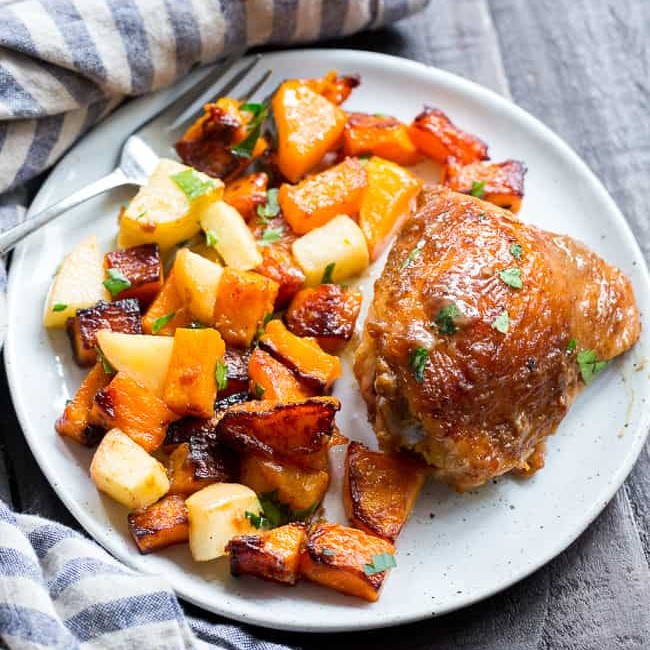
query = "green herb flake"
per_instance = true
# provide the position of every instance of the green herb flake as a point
(305, 513)
(589, 365)
(413, 255)
(246, 147)
(59, 306)
(478, 189)
(502, 322)
(106, 366)
(138, 217)
(271, 236)
(221, 375)
(417, 361)
(364, 160)
(327, 273)
(116, 282)
(211, 238)
(380, 563)
(257, 521)
(571, 346)
(271, 208)
(259, 391)
(279, 513)
(159, 323)
(512, 277)
(191, 184)
(445, 319)
(516, 251)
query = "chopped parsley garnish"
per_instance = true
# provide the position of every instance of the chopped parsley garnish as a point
(512, 277)
(59, 306)
(417, 361)
(380, 563)
(271, 236)
(211, 238)
(106, 366)
(305, 513)
(364, 160)
(445, 319)
(260, 329)
(191, 184)
(412, 255)
(116, 282)
(327, 273)
(259, 391)
(159, 323)
(271, 208)
(279, 514)
(516, 251)
(328, 552)
(246, 147)
(138, 217)
(502, 322)
(589, 365)
(257, 521)
(478, 189)
(571, 346)
(221, 375)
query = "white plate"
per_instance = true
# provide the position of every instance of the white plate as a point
(455, 549)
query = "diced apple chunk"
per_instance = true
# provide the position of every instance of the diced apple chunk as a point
(339, 245)
(126, 472)
(232, 238)
(76, 285)
(144, 358)
(197, 282)
(217, 513)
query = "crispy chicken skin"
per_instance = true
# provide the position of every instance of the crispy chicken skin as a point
(484, 401)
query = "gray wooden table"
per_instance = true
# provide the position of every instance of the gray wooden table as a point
(583, 68)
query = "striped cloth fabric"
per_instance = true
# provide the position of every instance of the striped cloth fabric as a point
(65, 65)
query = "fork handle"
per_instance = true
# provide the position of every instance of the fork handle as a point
(14, 235)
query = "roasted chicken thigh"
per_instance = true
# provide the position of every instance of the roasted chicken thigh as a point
(481, 332)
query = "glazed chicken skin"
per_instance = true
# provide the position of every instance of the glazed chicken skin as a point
(442, 368)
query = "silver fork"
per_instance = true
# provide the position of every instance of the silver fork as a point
(143, 149)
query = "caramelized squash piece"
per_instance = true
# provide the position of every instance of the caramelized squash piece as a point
(379, 135)
(75, 423)
(386, 203)
(435, 135)
(379, 490)
(334, 88)
(273, 380)
(298, 488)
(237, 379)
(191, 385)
(319, 198)
(186, 429)
(308, 127)
(302, 355)
(127, 405)
(339, 558)
(181, 470)
(279, 265)
(167, 311)
(119, 316)
(271, 554)
(142, 267)
(499, 183)
(243, 300)
(328, 313)
(245, 194)
(160, 525)
(298, 432)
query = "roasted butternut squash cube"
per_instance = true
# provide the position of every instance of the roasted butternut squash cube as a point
(247, 193)
(185, 429)
(346, 559)
(127, 405)
(191, 383)
(333, 87)
(273, 380)
(243, 300)
(237, 379)
(302, 355)
(181, 470)
(298, 488)
(271, 554)
(328, 313)
(75, 423)
(386, 203)
(436, 136)
(279, 265)
(499, 183)
(308, 127)
(379, 135)
(119, 316)
(299, 432)
(380, 489)
(319, 198)
(167, 311)
(160, 525)
(142, 269)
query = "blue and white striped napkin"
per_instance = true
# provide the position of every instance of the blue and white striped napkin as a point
(65, 65)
